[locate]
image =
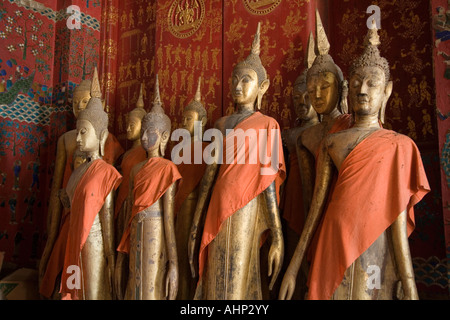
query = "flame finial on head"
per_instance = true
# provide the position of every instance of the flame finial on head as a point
(310, 53)
(95, 86)
(322, 43)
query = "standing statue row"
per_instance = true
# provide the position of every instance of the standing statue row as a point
(339, 210)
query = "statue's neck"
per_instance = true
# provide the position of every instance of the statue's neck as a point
(155, 153)
(367, 121)
(328, 119)
(136, 143)
(92, 156)
(309, 122)
(246, 108)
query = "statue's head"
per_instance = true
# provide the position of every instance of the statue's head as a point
(325, 80)
(370, 86)
(92, 122)
(81, 97)
(249, 80)
(302, 104)
(134, 119)
(194, 111)
(156, 126)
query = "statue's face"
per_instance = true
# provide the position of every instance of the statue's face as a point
(133, 128)
(244, 86)
(323, 92)
(302, 106)
(80, 101)
(188, 121)
(150, 139)
(87, 140)
(367, 90)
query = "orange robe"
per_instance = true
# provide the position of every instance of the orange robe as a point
(191, 174)
(90, 194)
(379, 179)
(292, 204)
(237, 184)
(150, 184)
(130, 159)
(113, 150)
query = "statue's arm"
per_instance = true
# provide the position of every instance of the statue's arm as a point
(403, 258)
(325, 171)
(107, 222)
(276, 253)
(306, 162)
(206, 185)
(171, 247)
(120, 273)
(55, 206)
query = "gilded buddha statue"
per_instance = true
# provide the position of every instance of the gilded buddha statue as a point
(192, 171)
(243, 205)
(131, 157)
(360, 250)
(291, 205)
(327, 92)
(90, 189)
(51, 263)
(149, 236)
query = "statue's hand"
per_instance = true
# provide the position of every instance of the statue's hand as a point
(407, 290)
(288, 285)
(275, 259)
(191, 250)
(172, 282)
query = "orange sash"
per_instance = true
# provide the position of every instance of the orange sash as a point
(191, 174)
(237, 184)
(90, 194)
(380, 178)
(150, 184)
(131, 158)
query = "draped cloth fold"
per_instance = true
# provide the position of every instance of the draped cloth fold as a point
(378, 180)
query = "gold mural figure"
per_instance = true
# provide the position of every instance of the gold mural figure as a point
(144, 43)
(291, 61)
(214, 58)
(212, 82)
(293, 24)
(416, 65)
(140, 15)
(286, 117)
(396, 107)
(177, 56)
(169, 53)
(414, 92)
(277, 83)
(131, 19)
(236, 30)
(411, 127)
(425, 94)
(427, 127)
(124, 20)
(205, 59)
(188, 56)
(197, 58)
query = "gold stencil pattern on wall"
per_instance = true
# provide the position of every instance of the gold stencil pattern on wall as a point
(261, 7)
(185, 17)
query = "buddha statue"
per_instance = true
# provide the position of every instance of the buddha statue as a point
(192, 172)
(291, 205)
(327, 92)
(90, 189)
(149, 236)
(360, 250)
(243, 206)
(130, 158)
(51, 263)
